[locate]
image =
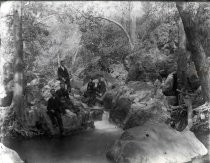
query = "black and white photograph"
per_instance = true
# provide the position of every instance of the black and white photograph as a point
(104, 82)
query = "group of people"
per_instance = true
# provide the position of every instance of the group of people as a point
(60, 101)
(93, 91)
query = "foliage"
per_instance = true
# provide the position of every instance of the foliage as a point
(204, 25)
(104, 40)
(158, 25)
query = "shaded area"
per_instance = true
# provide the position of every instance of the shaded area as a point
(86, 147)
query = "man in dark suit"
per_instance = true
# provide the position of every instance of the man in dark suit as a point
(63, 75)
(54, 110)
(66, 102)
(101, 87)
(91, 92)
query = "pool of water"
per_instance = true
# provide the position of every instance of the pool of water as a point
(86, 147)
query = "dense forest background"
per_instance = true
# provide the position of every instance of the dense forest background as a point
(124, 41)
(154, 57)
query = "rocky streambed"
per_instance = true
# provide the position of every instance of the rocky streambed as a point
(141, 110)
(138, 108)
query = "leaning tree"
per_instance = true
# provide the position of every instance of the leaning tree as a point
(191, 27)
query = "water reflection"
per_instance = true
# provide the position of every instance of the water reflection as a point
(86, 147)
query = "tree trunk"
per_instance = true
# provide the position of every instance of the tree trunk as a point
(75, 56)
(188, 102)
(17, 102)
(182, 59)
(198, 55)
(59, 59)
(132, 23)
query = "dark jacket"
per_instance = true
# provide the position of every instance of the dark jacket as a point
(54, 104)
(63, 73)
(101, 87)
(91, 87)
(62, 94)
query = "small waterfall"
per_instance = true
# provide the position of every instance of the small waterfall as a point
(105, 116)
(104, 124)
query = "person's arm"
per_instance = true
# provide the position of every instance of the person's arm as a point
(66, 73)
(49, 105)
(67, 94)
(59, 74)
(88, 86)
(59, 104)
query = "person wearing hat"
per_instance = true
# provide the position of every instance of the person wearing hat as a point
(63, 75)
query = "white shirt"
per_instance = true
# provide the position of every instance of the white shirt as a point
(62, 67)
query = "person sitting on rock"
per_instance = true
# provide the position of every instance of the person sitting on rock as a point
(54, 110)
(63, 75)
(63, 96)
(101, 87)
(91, 92)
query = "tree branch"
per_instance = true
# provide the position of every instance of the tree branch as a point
(121, 27)
(110, 20)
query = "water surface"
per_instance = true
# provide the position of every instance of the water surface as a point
(86, 147)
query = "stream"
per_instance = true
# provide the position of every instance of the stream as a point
(86, 147)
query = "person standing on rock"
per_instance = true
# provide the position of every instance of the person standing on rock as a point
(101, 87)
(54, 110)
(63, 75)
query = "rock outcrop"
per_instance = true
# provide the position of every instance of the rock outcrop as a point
(8, 155)
(149, 67)
(156, 142)
(37, 118)
(135, 104)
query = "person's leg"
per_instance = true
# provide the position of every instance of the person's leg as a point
(52, 117)
(90, 101)
(60, 123)
(63, 107)
(68, 85)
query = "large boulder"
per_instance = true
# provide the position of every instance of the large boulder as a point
(8, 155)
(37, 118)
(121, 110)
(136, 103)
(107, 100)
(153, 110)
(156, 142)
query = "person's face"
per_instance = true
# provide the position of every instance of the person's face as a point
(52, 92)
(62, 63)
(62, 85)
